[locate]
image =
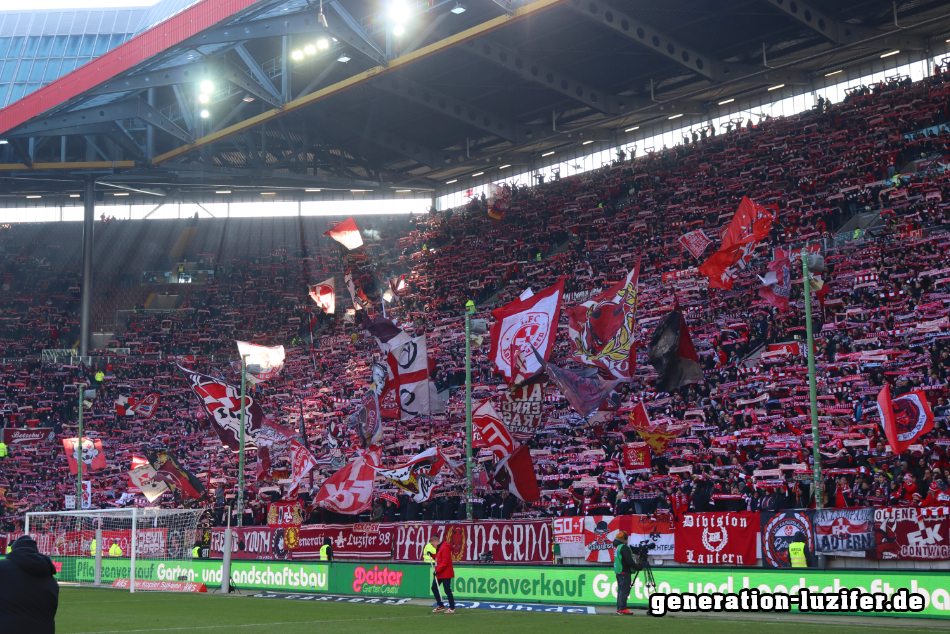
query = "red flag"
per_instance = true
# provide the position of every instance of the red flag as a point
(750, 224)
(93, 456)
(491, 430)
(778, 284)
(347, 234)
(516, 472)
(530, 324)
(695, 242)
(147, 406)
(168, 469)
(349, 490)
(905, 418)
(302, 463)
(636, 456)
(658, 435)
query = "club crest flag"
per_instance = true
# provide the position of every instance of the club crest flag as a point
(408, 380)
(366, 420)
(695, 242)
(419, 476)
(147, 406)
(324, 294)
(905, 418)
(269, 358)
(636, 456)
(222, 403)
(528, 324)
(302, 463)
(93, 456)
(750, 225)
(601, 329)
(350, 490)
(347, 234)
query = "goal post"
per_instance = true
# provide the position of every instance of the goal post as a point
(121, 548)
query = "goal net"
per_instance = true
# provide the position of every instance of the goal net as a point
(135, 548)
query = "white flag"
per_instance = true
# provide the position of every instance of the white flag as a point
(324, 294)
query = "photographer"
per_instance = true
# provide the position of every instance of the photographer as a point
(624, 564)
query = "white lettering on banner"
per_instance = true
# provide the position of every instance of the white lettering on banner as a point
(517, 542)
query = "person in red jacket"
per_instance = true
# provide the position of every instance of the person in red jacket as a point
(444, 573)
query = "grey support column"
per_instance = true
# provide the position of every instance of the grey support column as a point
(88, 228)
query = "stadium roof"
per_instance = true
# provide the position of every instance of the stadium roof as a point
(469, 87)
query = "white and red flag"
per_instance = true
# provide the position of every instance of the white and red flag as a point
(420, 475)
(302, 463)
(695, 242)
(93, 456)
(270, 359)
(530, 325)
(347, 234)
(490, 431)
(778, 284)
(408, 380)
(905, 418)
(147, 406)
(324, 294)
(350, 490)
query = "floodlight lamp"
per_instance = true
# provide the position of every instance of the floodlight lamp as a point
(459, 9)
(297, 55)
(203, 98)
(207, 86)
(399, 29)
(310, 49)
(323, 44)
(399, 11)
(205, 114)
(344, 58)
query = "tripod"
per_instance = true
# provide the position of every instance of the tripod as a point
(648, 581)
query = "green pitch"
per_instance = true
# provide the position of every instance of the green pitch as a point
(91, 611)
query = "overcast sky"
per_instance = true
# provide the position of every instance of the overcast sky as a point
(84, 4)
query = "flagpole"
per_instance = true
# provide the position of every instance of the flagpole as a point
(812, 384)
(240, 503)
(468, 414)
(82, 393)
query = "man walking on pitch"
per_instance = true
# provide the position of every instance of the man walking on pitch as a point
(444, 573)
(623, 567)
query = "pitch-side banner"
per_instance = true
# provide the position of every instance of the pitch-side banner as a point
(911, 533)
(592, 538)
(841, 531)
(350, 541)
(33, 436)
(527, 542)
(779, 530)
(717, 538)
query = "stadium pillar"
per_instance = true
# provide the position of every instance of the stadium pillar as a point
(226, 558)
(149, 130)
(88, 227)
(99, 544)
(812, 384)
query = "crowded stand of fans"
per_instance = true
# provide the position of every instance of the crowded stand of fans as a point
(881, 318)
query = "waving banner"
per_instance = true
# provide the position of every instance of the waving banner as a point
(93, 456)
(717, 538)
(695, 242)
(905, 418)
(419, 476)
(349, 490)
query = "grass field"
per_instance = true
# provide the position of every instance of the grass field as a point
(92, 611)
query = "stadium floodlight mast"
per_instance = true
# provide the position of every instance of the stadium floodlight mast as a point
(478, 326)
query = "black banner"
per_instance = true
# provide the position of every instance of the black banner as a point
(781, 528)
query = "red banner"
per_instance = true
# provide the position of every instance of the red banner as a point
(150, 542)
(523, 542)
(717, 538)
(906, 533)
(592, 538)
(636, 456)
(349, 541)
(28, 436)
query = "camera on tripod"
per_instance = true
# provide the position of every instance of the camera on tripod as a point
(642, 550)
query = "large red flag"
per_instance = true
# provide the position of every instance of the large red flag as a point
(516, 471)
(349, 490)
(658, 435)
(491, 431)
(93, 456)
(347, 234)
(905, 418)
(750, 224)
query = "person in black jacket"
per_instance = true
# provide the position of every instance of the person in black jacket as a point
(29, 595)
(624, 571)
